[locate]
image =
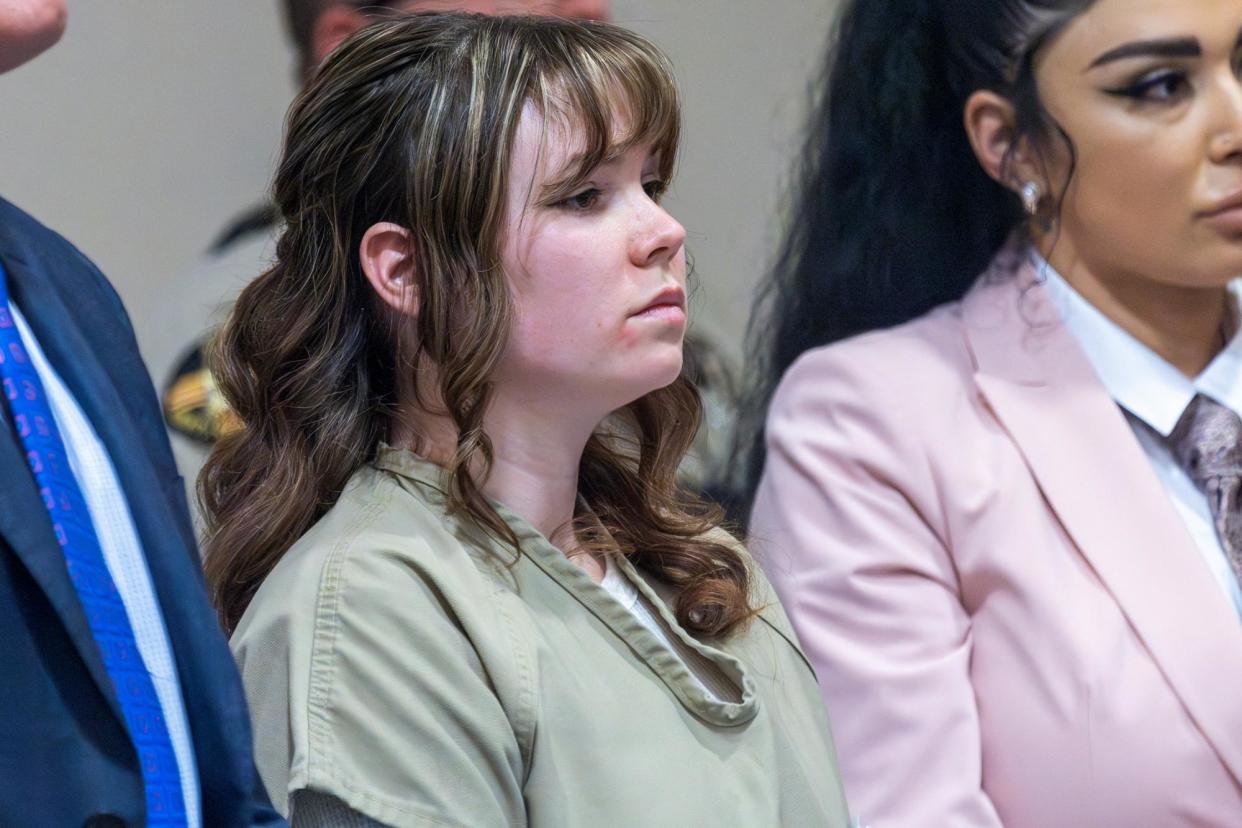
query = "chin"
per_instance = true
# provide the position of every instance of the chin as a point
(1232, 269)
(669, 371)
(1210, 262)
(653, 377)
(1219, 271)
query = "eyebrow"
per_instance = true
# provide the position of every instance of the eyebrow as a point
(1182, 47)
(1178, 47)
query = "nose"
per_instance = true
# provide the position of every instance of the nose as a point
(659, 238)
(1226, 140)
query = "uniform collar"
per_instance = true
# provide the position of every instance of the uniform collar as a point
(645, 645)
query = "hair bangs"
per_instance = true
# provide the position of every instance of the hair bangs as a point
(613, 91)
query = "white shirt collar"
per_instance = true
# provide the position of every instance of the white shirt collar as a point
(1136, 377)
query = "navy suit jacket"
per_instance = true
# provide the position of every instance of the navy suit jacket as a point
(65, 757)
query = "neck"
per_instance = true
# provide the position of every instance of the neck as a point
(536, 457)
(536, 454)
(1182, 324)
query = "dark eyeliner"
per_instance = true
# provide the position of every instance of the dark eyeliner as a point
(1138, 89)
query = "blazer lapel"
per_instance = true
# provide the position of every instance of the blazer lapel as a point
(1105, 493)
(31, 539)
(79, 327)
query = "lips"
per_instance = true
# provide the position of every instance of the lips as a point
(669, 301)
(1225, 205)
(1226, 215)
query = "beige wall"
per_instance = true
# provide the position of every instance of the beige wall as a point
(153, 122)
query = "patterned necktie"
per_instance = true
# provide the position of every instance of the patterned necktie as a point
(97, 591)
(1207, 442)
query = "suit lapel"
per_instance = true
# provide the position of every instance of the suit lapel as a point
(30, 537)
(79, 326)
(1105, 493)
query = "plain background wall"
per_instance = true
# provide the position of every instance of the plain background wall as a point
(153, 123)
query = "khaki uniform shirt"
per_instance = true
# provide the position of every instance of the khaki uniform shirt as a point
(393, 660)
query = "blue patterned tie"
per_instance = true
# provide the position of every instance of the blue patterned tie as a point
(105, 612)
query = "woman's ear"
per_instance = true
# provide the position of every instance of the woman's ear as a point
(991, 126)
(387, 258)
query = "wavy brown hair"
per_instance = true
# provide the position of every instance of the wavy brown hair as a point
(412, 121)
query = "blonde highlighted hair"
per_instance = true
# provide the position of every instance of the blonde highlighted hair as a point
(412, 121)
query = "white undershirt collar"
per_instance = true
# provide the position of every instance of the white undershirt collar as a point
(1136, 377)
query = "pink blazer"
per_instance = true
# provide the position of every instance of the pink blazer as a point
(1010, 622)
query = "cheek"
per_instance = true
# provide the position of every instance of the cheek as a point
(1141, 176)
(1132, 195)
(550, 328)
(565, 302)
(573, 274)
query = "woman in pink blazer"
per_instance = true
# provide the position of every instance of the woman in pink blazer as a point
(1002, 510)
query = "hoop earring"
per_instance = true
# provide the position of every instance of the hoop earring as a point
(1031, 194)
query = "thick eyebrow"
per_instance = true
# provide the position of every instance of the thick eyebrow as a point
(1182, 47)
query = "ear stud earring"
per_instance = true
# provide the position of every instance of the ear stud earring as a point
(1031, 194)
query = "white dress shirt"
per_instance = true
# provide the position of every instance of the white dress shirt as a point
(122, 551)
(1155, 394)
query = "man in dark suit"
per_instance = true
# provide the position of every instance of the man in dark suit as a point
(119, 703)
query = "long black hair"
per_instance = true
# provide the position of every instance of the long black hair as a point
(893, 214)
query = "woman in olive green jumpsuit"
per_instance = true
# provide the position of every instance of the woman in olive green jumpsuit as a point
(463, 586)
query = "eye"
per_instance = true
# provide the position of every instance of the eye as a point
(655, 189)
(581, 201)
(1158, 87)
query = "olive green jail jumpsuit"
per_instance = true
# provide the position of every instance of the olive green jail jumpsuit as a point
(392, 661)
